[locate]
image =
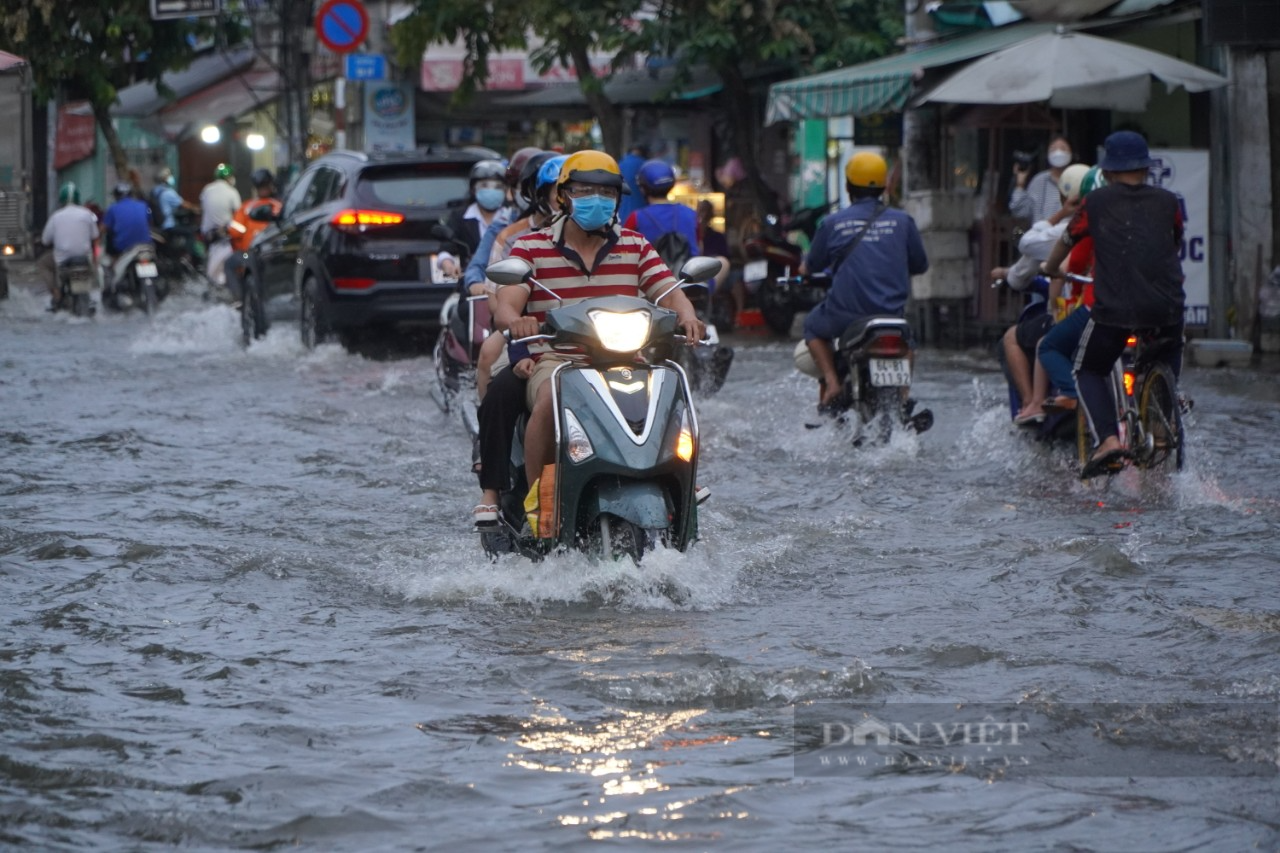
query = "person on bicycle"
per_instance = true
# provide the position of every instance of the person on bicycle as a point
(1138, 282)
(872, 251)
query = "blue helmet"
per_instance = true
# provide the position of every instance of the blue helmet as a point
(656, 177)
(549, 174)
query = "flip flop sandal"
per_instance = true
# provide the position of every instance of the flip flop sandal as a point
(1108, 463)
(485, 515)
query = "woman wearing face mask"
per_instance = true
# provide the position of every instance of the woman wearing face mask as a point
(1038, 198)
(488, 194)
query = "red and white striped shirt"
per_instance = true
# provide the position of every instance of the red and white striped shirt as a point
(627, 266)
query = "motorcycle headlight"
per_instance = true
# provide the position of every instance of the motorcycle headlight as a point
(621, 332)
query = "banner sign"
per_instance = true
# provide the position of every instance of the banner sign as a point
(1186, 174)
(388, 117)
(77, 134)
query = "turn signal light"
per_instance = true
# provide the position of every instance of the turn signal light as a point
(357, 221)
(684, 444)
(1129, 380)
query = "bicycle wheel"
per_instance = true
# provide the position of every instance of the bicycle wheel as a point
(1161, 418)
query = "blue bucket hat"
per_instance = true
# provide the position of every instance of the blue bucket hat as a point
(1125, 151)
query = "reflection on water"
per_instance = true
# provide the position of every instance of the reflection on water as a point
(245, 612)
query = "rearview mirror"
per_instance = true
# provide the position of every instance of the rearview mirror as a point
(700, 269)
(513, 271)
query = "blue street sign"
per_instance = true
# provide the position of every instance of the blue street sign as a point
(366, 66)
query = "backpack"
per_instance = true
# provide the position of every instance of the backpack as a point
(673, 247)
(153, 207)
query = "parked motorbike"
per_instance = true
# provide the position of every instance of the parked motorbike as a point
(772, 261)
(137, 282)
(626, 447)
(76, 281)
(707, 362)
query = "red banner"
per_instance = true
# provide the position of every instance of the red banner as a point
(77, 134)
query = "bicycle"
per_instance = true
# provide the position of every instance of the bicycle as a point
(1148, 405)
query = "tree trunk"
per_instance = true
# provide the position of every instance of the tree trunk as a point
(608, 115)
(742, 133)
(102, 115)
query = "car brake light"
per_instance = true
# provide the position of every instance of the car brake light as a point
(888, 346)
(357, 221)
(354, 283)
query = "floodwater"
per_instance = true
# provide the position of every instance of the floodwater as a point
(242, 609)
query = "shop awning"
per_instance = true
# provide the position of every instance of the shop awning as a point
(883, 85)
(236, 95)
(8, 60)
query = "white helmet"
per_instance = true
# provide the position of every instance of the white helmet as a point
(804, 361)
(1070, 180)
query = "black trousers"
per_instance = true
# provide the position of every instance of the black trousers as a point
(1098, 350)
(502, 407)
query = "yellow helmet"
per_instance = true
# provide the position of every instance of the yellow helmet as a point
(591, 167)
(866, 170)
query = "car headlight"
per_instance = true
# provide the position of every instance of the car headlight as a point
(621, 332)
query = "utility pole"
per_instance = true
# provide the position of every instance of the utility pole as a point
(917, 141)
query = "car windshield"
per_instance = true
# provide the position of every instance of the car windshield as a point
(415, 185)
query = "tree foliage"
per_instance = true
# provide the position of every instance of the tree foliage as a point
(90, 51)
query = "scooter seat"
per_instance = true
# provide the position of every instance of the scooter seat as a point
(860, 331)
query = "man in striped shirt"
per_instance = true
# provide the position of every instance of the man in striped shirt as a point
(583, 255)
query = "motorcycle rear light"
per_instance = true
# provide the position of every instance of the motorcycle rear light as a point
(888, 346)
(354, 283)
(359, 221)
(1129, 380)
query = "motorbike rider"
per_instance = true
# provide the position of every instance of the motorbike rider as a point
(219, 201)
(873, 278)
(660, 217)
(473, 278)
(488, 195)
(545, 171)
(244, 228)
(71, 231)
(127, 225)
(581, 255)
(1138, 282)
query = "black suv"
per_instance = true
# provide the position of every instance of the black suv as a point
(355, 245)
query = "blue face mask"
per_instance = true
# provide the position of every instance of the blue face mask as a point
(593, 211)
(490, 199)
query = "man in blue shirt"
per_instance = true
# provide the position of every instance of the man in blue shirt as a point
(630, 165)
(659, 216)
(872, 279)
(128, 228)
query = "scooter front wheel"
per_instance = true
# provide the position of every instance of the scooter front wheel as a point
(620, 538)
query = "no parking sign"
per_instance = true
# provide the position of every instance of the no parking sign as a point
(341, 25)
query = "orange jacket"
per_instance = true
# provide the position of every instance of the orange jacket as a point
(243, 229)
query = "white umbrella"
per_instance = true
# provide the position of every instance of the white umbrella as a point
(1071, 71)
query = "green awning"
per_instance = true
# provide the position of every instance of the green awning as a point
(883, 85)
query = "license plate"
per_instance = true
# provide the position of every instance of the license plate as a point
(890, 371)
(755, 271)
(145, 269)
(81, 282)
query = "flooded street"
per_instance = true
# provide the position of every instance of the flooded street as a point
(244, 609)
